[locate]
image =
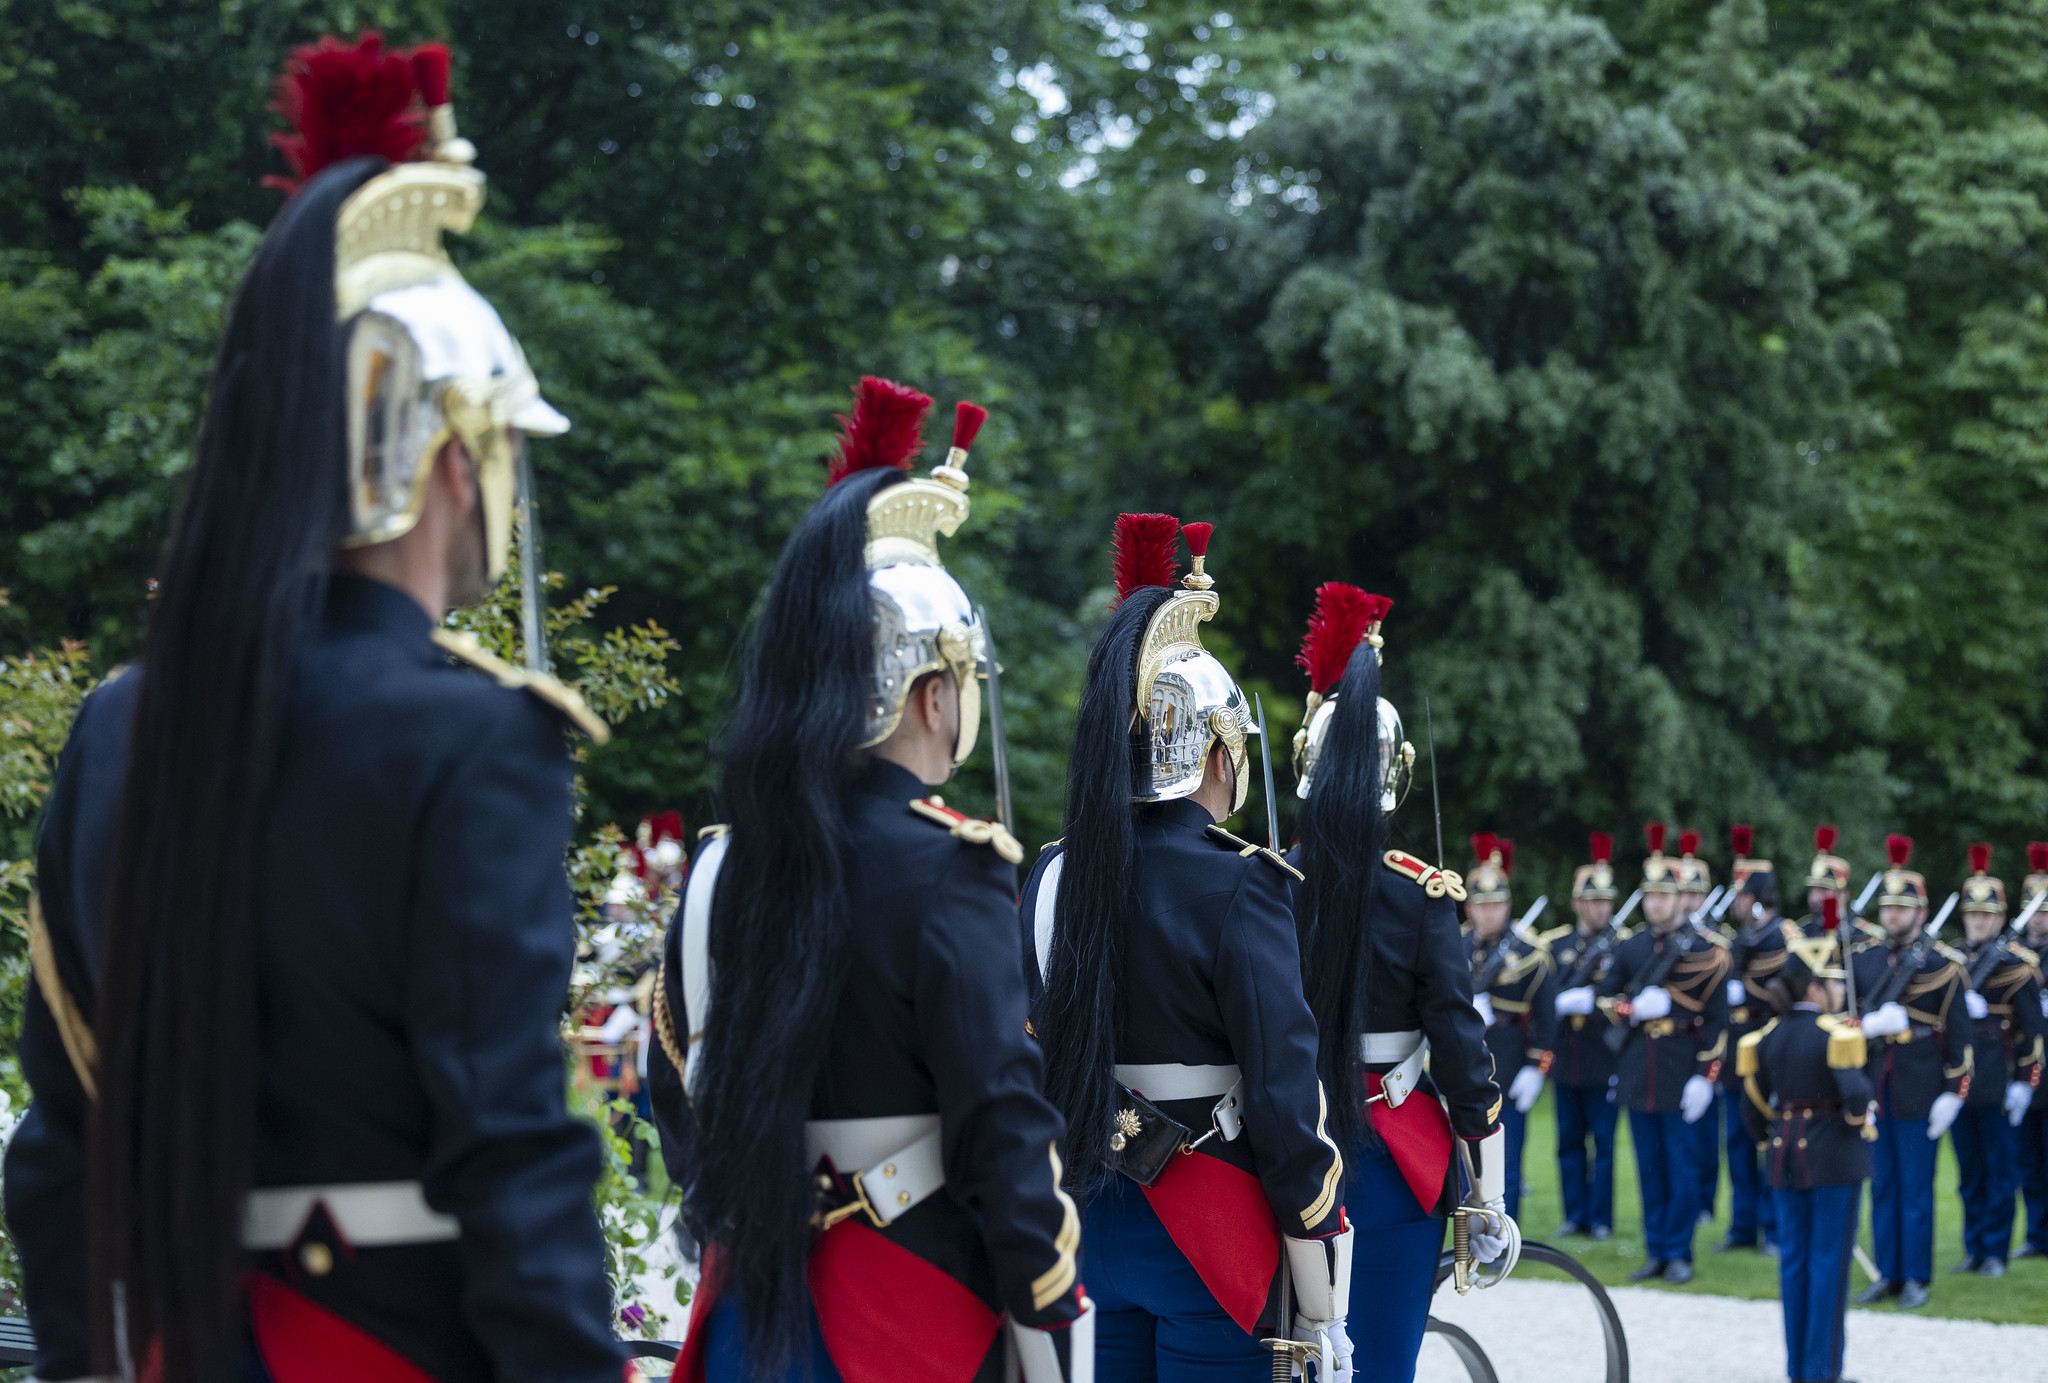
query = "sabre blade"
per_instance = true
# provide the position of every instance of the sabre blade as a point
(1266, 767)
(1942, 916)
(1528, 919)
(1627, 908)
(533, 635)
(1699, 914)
(999, 743)
(1863, 898)
(1436, 800)
(2027, 914)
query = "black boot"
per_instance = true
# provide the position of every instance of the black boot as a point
(1911, 1295)
(1876, 1292)
(1653, 1268)
(1971, 1262)
(1991, 1267)
(1678, 1271)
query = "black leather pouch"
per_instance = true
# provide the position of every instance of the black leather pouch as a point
(1144, 1137)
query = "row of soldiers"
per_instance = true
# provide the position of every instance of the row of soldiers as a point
(1670, 1019)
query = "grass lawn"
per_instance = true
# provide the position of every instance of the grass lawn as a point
(2021, 1295)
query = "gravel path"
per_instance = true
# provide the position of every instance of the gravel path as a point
(1547, 1332)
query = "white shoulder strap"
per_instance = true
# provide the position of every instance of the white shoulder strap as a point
(696, 948)
(1042, 913)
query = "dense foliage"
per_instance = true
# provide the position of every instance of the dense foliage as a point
(1676, 367)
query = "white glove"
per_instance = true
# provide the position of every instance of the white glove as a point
(1947, 1105)
(1527, 1088)
(1974, 1003)
(1737, 994)
(1580, 1000)
(2019, 1098)
(1888, 1021)
(1487, 1247)
(1695, 1099)
(1335, 1344)
(1653, 1003)
(2044, 1003)
(1485, 1007)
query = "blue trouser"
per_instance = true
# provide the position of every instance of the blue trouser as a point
(1394, 1249)
(1901, 1201)
(725, 1352)
(1984, 1161)
(1154, 1318)
(1816, 1236)
(1586, 1111)
(1665, 1148)
(2032, 1137)
(1708, 1154)
(1751, 1206)
(1517, 1125)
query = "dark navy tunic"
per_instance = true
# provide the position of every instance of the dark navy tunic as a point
(1756, 952)
(1661, 1055)
(414, 945)
(1523, 997)
(1806, 1107)
(1210, 975)
(1932, 1056)
(2005, 1044)
(931, 1021)
(1582, 1059)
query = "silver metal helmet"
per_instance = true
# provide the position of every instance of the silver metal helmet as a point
(1397, 766)
(1187, 699)
(1346, 617)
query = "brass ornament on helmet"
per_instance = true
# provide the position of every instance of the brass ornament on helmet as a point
(1487, 881)
(1660, 871)
(1743, 840)
(2036, 882)
(1186, 698)
(1694, 874)
(1828, 870)
(1344, 617)
(1981, 892)
(1594, 882)
(1901, 887)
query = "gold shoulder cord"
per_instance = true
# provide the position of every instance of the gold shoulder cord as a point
(665, 1023)
(79, 1043)
(972, 829)
(463, 646)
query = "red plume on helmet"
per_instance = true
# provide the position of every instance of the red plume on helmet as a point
(1980, 858)
(2037, 856)
(1145, 552)
(1898, 849)
(1507, 855)
(1688, 842)
(1824, 837)
(886, 429)
(354, 101)
(1653, 832)
(1601, 845)
(967, 421)
(1484, 844)
(1743, 838)
(1831, 912)
(1344, 616)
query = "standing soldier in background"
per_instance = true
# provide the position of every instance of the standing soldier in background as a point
(1695, 881)
(1807, 1102)
(1911, 992)
(2004, 1003)
(1583, 1073)
(1756, 954)
(847, 1092)
(298, 1061)
(1668, 1004)
(1386, 976)
(1826, 877)
(1514, 988)
(2032, 1134)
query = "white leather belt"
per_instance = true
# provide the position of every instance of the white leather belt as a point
(1170, 1080)
(366, 1214)
(1378, 1048)
(890, 1163)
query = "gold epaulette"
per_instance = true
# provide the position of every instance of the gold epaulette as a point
(2027, 954)
(713, 831)
(1437, 883)
(1846, 1047)
(1746, 1059)
(463, 646)
(1245, 847)
(1049, 844)
(971, 829)
(1951, 954)
(1544, 939)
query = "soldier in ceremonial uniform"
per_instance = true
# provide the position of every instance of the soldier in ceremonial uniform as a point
(297, 1063)
(1910, 989)
(1668, 1004)
(845, 1082)
(2003, 999)
(1171, 1007)
(1388, 980)
(1582, 1075)
(1807, 1103)
(1514, 987)
(1695, 882)
(2032, 1133)
(1756, 953)
(1827, 876)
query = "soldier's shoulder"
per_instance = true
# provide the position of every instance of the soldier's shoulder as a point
(1244, 849)
(2026, 955)
(1942, 955)
(565, 701)
(1550, 938)
(969, 829)
(1435, 882)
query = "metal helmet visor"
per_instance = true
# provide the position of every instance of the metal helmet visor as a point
(1194, 702)
(923, 622)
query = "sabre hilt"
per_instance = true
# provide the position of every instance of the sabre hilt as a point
(1291, 1358)
(1461, 1250)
